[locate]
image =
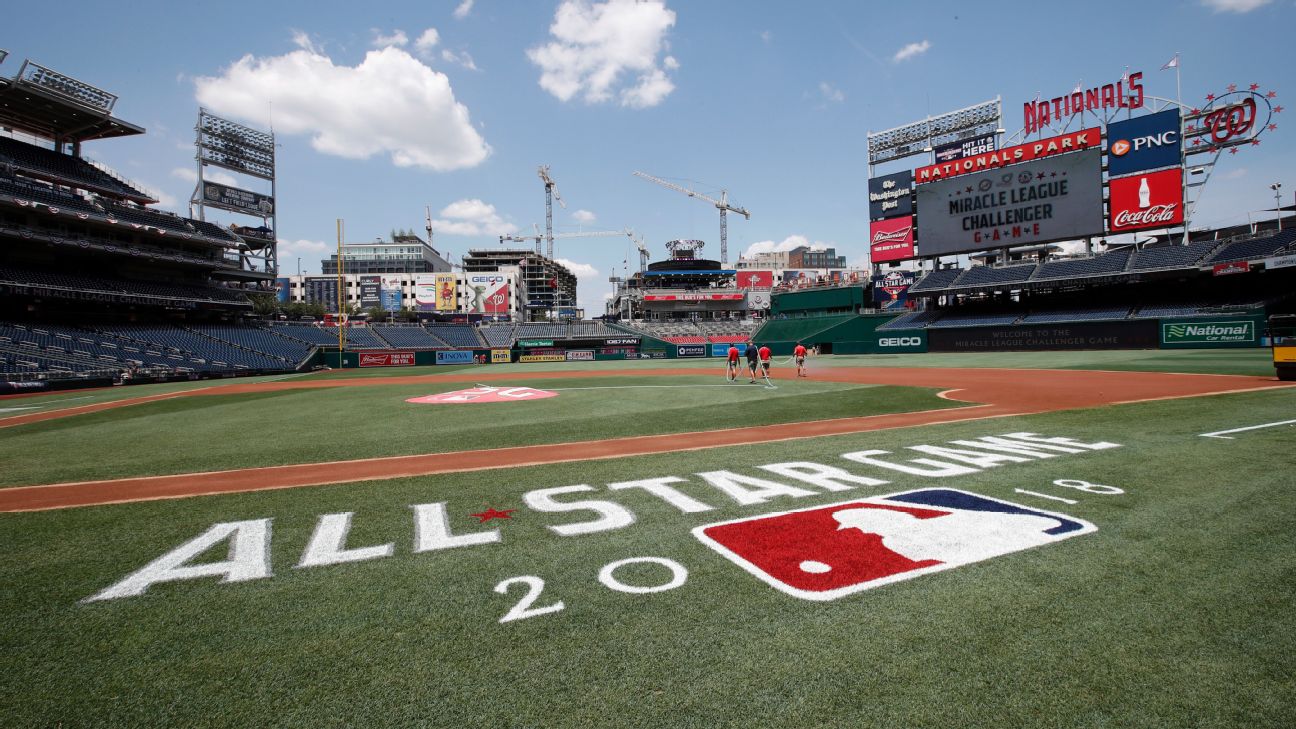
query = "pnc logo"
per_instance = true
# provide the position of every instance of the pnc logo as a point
(1122, 147)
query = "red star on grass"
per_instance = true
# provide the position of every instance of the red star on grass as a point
(493, 513)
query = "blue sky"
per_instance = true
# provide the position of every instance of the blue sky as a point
(384, 108)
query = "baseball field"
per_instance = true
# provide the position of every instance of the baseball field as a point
(1091, 539)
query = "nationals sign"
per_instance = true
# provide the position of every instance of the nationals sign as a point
(1069, 142)
(891, 239)
(1154, 200)
(1126, 93)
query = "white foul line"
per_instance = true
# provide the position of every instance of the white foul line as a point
(1221, 433)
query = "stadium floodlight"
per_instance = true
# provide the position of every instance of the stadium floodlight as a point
(911, 139)
(65, 87)
(233, 146)
(3, 55)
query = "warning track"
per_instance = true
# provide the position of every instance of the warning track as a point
(991, 393)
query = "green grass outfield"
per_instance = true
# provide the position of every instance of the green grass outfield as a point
(1176, 612)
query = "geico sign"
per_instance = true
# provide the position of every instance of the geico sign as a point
(900, 341)
(1121, 147)
(488, 280)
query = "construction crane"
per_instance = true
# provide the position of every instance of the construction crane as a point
(551, 193)
(722, 205)
(523, 238)
(643, 253)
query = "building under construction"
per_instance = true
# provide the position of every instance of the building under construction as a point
(548, 287)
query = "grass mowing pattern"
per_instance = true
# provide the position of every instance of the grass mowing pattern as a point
(1176, 613)
(206, 433)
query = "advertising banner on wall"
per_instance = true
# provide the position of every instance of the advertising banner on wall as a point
(425, 291)
(1049, 199)
(964, 148)
(447, 291)
(891, 291)
(386, 359)
(283, 289)
(889, 195)
(370, 286)
(891, 239)
(488, 293)
(1050, 147)
(459, 356)
(755, 279)
(1144, 143)
(690, 350)
(390, 293)
(1152, 200)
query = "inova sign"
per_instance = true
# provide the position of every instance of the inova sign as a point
(1208, 332)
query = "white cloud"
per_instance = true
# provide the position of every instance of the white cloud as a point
(787, 244)
(831, 93)
(582, 270)
(766, 36)
(220, 177)
(1234, 6)
(464, 8)
(310, 251)
(911, 50)
(595, 46)
(471, 218)
(397, 38)
(302, 40)
(390, 103)
(427, 40)
(462, 58)
(584, 216)
(1237, 174)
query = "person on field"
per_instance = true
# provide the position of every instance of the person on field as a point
(731, 370)
(765, 361)
(800, 354)
(752, 361)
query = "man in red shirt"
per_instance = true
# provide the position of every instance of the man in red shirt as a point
(765, 362)
(800, 354)
(731, 371)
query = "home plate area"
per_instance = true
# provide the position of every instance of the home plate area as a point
(483, 394)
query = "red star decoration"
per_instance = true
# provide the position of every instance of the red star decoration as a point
(1191, 127)
(1273, 127)
(1233, 150)
(1210, 97)
(1271, 94)
(1255, 86)
(1255, 142)
(1195, 110)
(1213, 149)
(1232, 88)
(1278, 109)
(493, 513)
(1196, 142)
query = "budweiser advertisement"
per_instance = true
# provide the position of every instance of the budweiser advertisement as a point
(891, 239)
(755, 279)
(693, 297)
(387, 359)
(1069, 142)
(1154, 200)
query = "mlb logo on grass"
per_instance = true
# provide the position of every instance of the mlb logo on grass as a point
(827, 552)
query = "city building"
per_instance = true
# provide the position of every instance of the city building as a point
(406, 253)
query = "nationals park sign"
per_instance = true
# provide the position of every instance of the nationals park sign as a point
(1070, 142)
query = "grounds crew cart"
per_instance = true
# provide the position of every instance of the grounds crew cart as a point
(1282, 340)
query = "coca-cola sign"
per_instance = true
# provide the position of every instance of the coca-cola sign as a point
(891, 239)
(1154, 200)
